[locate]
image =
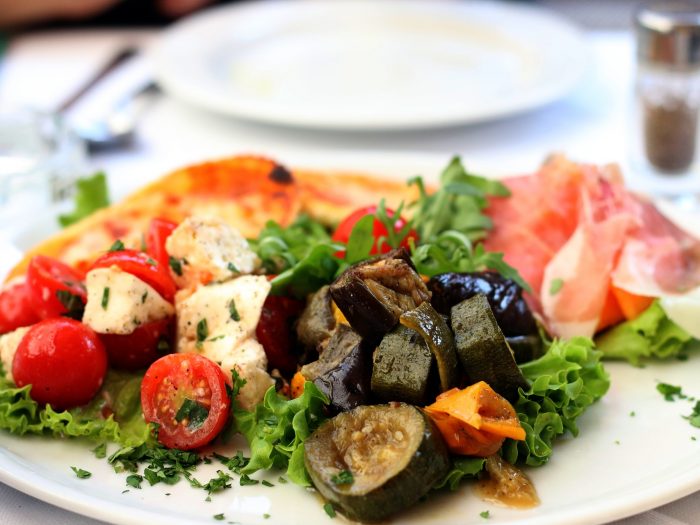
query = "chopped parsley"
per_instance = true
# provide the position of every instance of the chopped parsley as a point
(233, 311)
(219, 517)
(175, 265)
(235, 463)
(485, 514)
(266, 516)
(73, 304)
(670, 392)
(330, 510)
(143, 297)
(150, 261)
(202, 332)
(100, 451)
(247, 480)
(105, 297)
(282, 480)
(82, 474)
(192, 413)
(694, 417)
(217, 338)
(134, 480)
(163, 346)
(633, 413)
(267, 483)
(232, 268)
(556, 286)
(344, 477)
(117, 246)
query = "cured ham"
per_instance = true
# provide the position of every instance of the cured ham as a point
(591, 251)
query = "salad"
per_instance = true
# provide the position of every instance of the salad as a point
(400, 352)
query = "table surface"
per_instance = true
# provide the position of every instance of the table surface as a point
(589, 124)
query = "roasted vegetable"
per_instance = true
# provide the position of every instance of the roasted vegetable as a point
(526, 347)
(373, 294)
(482, 349)
(437, 335)
(316, 324)
(475, 421)
(343, 370)
(504, 295)
(507, 485)
(376, 460)
(402, 366)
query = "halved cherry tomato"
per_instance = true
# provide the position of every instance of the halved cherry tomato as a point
(142, 266)
(274, 331)
(186, 395)
(46, 277)
(342, 233)
(16, 308)
(63, 360)
(158, 233)
(141, 347)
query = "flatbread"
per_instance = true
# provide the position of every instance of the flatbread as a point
(245, 191)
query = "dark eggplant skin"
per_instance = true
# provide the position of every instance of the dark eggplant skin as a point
(316, 324)
(505, 297)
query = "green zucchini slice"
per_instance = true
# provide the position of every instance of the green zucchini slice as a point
(483, 349)
(402, 366)
(376, 460)
(438, 336)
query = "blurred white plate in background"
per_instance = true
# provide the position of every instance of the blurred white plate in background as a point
(370, 64)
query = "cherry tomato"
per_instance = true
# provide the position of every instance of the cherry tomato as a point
(46, 278)
(16, 308)
(158, 233)
(141, 347)
(63, 360)
(342, 233)
(186, 395)
(142, 266)
(274, 331)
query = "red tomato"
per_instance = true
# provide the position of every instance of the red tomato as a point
(142, 266)
(16, 308)
(63, 360)
(274, 331)
(46, 277)
(140, 348)
(158, 233)
(342, 233)
(186, 395)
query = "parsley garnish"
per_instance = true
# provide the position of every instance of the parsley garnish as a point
(282, 480)
(485, 514)
(267, 483)
(163, 346)
(233, 311)
(143, 297)
(266, 516)
(192, 412)
(202, 332)
(344, 477)
(694, 417)
(555, 286)
(73, 304)
(117, 246)
(100, 451)
(219, 517)
(670, 392)
(232, 268)
(330, 510)
(175, 265)
(235, 463)
(105, 297)
(82, 474)
(134, 480)
(151, 262)
(247, 480)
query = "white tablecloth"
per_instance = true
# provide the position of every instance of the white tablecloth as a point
(590, 124)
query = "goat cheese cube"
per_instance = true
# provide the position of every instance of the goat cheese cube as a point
(207, 249)
(8, 348)
(118, 302)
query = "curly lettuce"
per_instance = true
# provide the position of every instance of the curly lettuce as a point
(651, 335)
(565, 381)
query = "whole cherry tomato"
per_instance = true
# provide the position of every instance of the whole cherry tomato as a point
(141, 347)
(16, 308)
(274, 331)
(158, 233)
(142, 266)
(342, 233)
(63, 360)
(54, 287)
(186, 395)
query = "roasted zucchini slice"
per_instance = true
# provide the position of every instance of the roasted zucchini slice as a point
(391, 454)
(402, 367)
(483, 350)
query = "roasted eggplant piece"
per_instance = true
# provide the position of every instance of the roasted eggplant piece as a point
(505, 297)
(343, 370)
(526, 347)
(316, 324)
(373, 294)
(402, 366)
(483, 350)
(376, 460)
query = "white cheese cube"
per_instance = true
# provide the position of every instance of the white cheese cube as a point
(250, 361)
(8, 348)
(207, 249)
(118, 302)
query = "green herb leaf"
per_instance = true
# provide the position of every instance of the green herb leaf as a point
(670, 392)
(462, 468)
(361, 240)
(556, 286)
(195, 414)
(82, 474)
(232, 268)
(344, 477)
(105, 297)
(694, 417)
(247, 480)
(73, 304)
(91, 195)
(100, 451)
(175, 265)
(219, 517)
(485, 514)
(202, 332)
(233, 311)
(330, 510)
(117, 246)
(134, 480)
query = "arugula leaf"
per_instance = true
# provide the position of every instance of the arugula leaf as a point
(317, 268)
(91, 195)
(462, 468)
(361, 240)
(564, 382)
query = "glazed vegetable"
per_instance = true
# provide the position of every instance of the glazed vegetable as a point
(438, 336)
(343, 371)
(317, 321)
(392, 453)
(505, 297)
(373, 294)
(482, 349)
(402, 366)
(526, 347)
(475, 421)
(507, 485)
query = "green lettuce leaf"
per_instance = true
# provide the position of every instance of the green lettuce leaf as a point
(651, 335)
(565, 381)
(277, 428)
(91, 195)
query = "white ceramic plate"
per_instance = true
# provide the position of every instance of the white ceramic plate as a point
(370, 64)
(618, 466)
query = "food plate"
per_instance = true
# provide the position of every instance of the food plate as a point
(370, 64)
(634, 452)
